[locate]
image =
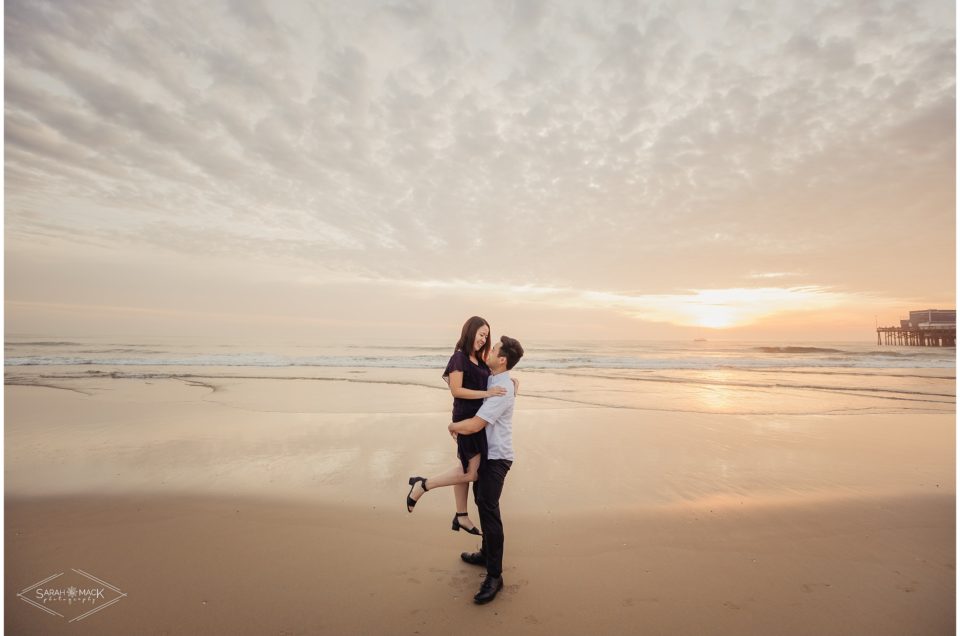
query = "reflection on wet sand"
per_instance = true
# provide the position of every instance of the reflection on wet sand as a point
(716, 396)
(163, 434)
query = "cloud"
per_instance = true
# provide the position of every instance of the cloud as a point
(773, 275)
(659, 146)
(712, 308)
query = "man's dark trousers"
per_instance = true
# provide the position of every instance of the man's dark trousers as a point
(486, 493)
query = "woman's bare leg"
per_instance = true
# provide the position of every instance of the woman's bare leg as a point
(460, 491)
(458, 479)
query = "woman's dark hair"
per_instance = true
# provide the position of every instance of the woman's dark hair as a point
(511, 350)
(468, 335)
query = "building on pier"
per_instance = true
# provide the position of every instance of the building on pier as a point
(926, 328)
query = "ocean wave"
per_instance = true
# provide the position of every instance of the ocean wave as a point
(797, 350)
(123, 350)
(401, 348)
(891, 354)
(553, 355)
(529, 362)
(42, 343)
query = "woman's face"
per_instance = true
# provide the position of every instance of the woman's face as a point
(482, 334)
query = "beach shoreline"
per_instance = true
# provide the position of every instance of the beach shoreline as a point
(250, 505)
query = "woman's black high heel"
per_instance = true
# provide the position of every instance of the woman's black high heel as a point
(411, 502)
(458, 527)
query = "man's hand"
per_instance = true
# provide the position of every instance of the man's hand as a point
(466, 427)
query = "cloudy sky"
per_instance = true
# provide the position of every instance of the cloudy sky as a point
(566, 169)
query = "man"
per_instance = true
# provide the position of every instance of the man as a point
(496, 416)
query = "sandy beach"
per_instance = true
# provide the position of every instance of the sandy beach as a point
(223, 502)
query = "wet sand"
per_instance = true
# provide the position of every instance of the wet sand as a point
(275, 506)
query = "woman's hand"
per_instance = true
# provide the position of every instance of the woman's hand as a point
(497, 390)
(516, 386)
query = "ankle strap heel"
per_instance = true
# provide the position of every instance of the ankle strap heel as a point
(457, 527)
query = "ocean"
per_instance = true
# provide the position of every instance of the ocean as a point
(706, 376)
(691, 355)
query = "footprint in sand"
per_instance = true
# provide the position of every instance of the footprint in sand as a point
(630, 602)
(459, 581)
(530, 619)
(810, 588)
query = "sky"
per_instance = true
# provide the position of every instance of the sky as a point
(384, 170)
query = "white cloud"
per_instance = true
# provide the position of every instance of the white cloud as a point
(654, 146)
(713, 308)
(764, 275)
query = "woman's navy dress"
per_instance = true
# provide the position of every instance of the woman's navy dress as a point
(474, 377)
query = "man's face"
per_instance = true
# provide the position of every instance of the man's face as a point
(493, 358)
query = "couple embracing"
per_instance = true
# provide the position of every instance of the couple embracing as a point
(483, 396)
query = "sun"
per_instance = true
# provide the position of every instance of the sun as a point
(714, 316)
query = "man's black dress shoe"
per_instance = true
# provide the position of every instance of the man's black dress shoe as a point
(473, 558)
(488, 591)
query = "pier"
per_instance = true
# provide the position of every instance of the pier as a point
(927, 328)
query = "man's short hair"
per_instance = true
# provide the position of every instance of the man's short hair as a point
(511, 350)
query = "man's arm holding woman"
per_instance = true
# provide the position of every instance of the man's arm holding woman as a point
(493, 407)
(466, 427)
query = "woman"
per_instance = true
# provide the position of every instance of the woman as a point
(467, 374)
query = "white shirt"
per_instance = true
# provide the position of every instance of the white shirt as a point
(497, 412)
